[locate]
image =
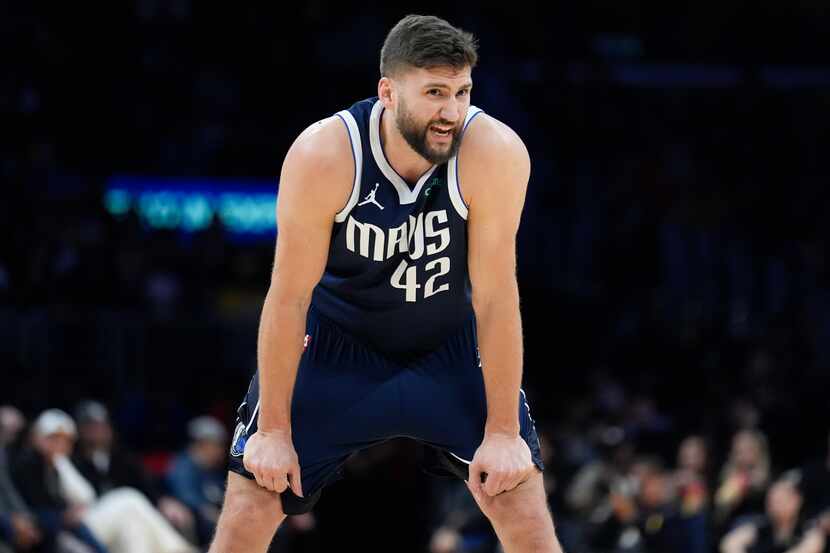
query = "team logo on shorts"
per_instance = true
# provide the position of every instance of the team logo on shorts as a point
(239, 439)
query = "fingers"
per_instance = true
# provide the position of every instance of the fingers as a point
(495, 482)
(271, 479)
(262, 479)
(490, 482)
(295, 481)
(476, 475)
(280, 483)
(478, 494)
(270, 482)
(273, 463)
(504, 480)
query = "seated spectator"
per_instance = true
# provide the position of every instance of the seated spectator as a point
(587, 492)
(643, 517)
(121, 520)
(692, 475)
(744, 479)
(12, 422)
(197, 474)
(37, 478)
(107, 466)
(661, 521)
(18, 528)
(781, 529)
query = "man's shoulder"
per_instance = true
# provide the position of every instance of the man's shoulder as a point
(492, 156)
(328, 142)
(488, 136)
(319, 165)
(323, 144)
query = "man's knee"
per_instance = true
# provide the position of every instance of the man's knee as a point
(250, 516)
(246, 503)
(522, 519)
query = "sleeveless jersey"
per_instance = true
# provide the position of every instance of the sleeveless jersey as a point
(396, 276)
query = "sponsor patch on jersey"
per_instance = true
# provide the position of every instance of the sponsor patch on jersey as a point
(239, 439)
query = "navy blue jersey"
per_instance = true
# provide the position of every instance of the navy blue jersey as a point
(396, 276)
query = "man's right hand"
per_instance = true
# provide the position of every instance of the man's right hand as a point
(270, 457)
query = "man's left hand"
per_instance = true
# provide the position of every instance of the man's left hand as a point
(506, 461)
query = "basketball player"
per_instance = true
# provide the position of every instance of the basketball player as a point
(395, 265)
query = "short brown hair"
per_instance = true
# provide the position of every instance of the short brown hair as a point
(426, 41)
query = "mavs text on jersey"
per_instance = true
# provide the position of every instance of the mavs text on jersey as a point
(396, 275)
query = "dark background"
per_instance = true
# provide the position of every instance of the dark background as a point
(672, 256)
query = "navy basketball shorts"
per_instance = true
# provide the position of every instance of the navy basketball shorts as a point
(348, 397)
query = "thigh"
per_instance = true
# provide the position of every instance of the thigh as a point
(246, 500)
(250, 517)
(446, 405)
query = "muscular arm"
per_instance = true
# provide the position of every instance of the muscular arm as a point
(315, 182)
(495, 167)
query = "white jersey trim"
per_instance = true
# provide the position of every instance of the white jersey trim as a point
(465, 461)
(452, 171)
(357, 152)
(253, 418)
(406, 195)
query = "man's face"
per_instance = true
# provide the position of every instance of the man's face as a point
(783, 501)
(96, 434)
(211, 453)
(55, 445)
(746, 450)
(430, 109)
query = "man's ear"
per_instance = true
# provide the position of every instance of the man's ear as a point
(387, 92)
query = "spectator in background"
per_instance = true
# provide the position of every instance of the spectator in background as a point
(744, 479)
(197, 475)
(12, 422)
(692, 475)
(642, 515)
(781, 529)
(587, 494)
(18, 528)
(121, 521)
(107, 466)
(39, 482)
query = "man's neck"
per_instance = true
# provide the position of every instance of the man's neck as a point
(404, 160)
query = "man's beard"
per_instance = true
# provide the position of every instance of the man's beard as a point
(416, 136)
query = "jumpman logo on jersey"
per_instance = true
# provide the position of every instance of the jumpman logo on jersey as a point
(370, 197)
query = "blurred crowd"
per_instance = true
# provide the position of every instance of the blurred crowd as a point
(69, 485)
(619, 480)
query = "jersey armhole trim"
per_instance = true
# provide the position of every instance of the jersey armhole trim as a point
(357, 154)
(454, 184)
